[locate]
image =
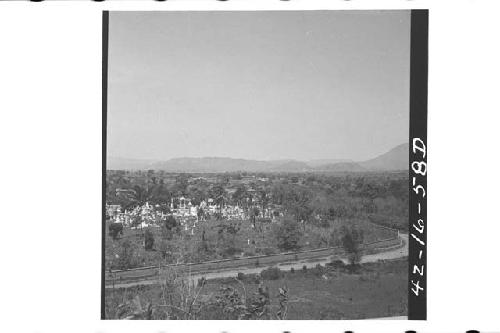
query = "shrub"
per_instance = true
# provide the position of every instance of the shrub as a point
(241, 276)
(115, 229)
(318, 270)
(337, 263)
(304, 268)
(149, 240)
(352, 239)
(292, 270)
(272, 273)
(249, 254)
(126, 255)
(230, 251)
(288, 235)
(268, 251)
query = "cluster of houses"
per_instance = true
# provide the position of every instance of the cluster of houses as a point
(184, 212)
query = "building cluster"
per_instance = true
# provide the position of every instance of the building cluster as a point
(185, 212)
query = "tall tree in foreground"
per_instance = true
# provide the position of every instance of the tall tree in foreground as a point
(352, 241)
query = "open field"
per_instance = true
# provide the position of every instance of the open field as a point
(374, 290)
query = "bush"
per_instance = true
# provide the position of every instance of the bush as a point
(241, 276)
(268, 251)
(288, 235)
(149, 240)
(230, 251)
(318, 270)
(292, 270)
(115, 229)
(249, 254)
(126, 255)
(337, 263)
(272, 273)
(304, 268)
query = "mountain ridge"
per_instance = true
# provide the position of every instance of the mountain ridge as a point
(392, 160)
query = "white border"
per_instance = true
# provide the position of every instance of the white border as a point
(50, 109)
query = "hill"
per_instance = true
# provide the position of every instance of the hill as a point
(395, 159)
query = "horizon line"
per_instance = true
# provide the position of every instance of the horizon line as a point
(257, 160)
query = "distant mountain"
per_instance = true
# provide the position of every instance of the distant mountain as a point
(210, 164)
(291, 166)
(341, 167)
(225, 164)
(395, 159)
(317, 163)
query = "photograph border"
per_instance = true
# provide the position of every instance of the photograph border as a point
(105, 34)
(417, 255)
(417, 176)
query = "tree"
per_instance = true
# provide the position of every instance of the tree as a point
(288, 235)
(352, 240)
(297, 203)
(239, 195)
(149, 240)
(126, 255)
(169, 228)
(170, 222)
(115, 229)
(201, 214)
(218, 193)
(254, 212)
(227, 245)
(264, 200)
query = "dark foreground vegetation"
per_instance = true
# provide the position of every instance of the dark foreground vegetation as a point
(335, 291)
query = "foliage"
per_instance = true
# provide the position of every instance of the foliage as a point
(126, 255)
(271, 273)
(288, 235)
(231, 303)
(149, 240)
(321, 204)
(115, 230)
(352, 240)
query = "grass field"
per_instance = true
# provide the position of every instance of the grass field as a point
(374, 290)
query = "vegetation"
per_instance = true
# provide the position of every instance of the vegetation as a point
(375, 290)
(303, 212)
(288, 235)
(352, 241)
(149, 240)
(115, 230)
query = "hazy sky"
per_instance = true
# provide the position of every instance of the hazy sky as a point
(258, 85)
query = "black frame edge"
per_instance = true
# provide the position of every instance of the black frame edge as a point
(417, 256)
(105, 30)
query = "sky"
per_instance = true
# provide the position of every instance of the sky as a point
(258, 85)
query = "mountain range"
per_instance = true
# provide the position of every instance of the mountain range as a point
(394, 159)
